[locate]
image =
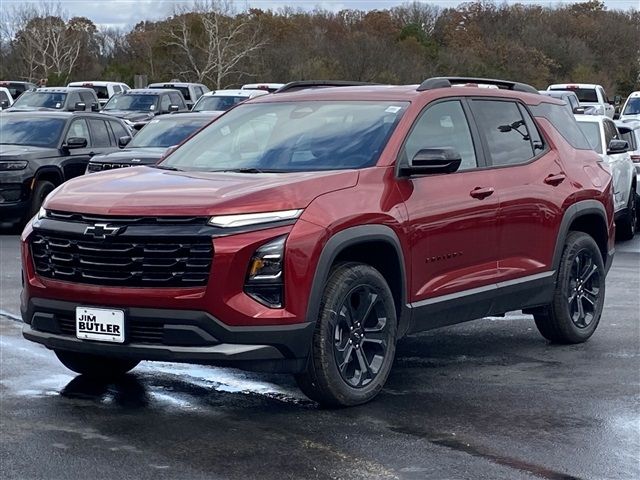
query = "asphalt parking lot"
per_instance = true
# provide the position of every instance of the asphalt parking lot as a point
(486, 400)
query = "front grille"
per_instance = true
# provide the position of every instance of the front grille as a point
(124, 220)
(137, 332)
(99, 167)
(144, 262)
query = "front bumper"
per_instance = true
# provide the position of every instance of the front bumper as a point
(188, 336)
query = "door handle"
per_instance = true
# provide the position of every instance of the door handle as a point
(481, 192)
(555, 179)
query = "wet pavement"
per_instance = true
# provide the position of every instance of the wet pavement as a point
(486, 400)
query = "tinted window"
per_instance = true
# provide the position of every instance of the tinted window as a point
(119, 130)
(74, 98)
(41, 99)
(537, 143)
(164, 103)
(632, 107)
(610, 131)
(100, 134)
(629, 138)
(132, 102)
(443, 125)
(79, 128)
(176, 99)
(87, 98)
(583, 94)
(505, 131)
(592, 133)
(564, 122)
(292, 136)
(39, 132)
(169, 131)
(221, 103)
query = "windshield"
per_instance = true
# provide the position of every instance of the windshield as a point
(166, 132)
(41, 100)
(632, 107)
(584, 94)
(591, 130)
(213, 104)
(133, 102)
(292, 137)
(37, 132)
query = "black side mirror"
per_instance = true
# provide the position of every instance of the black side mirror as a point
(173, 108)
(578, 110)
(123, 141)
(617, 146)
(95, 107)
(616, 116)
(431, 161)
(76, 142)
(4, 104)
(80, 107)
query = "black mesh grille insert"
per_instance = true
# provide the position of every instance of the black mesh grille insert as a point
(123, 262)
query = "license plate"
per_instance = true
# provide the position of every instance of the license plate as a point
(100, 324)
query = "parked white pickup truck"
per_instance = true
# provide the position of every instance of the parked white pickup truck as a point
(590, 95)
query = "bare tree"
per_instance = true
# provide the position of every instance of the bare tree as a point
(45, 43)
(210, 40)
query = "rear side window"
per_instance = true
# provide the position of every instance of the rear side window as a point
(440, 126)
(116, 89)
(592, 134)
(564, 123)
(505, 131)
(100, 134)
(3, 96)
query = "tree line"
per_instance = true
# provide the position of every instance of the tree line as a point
(213, 42)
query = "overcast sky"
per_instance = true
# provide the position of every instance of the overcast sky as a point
(126, 13)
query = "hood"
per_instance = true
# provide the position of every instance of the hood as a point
(145, 191)
(134, 156)
(132, 116)
(26, 152)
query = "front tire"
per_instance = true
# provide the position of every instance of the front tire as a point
(95, 365)
(574, 313)
(626, 226)
(42, 189)
(354, 341)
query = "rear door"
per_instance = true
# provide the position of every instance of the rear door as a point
(531, 186)
(74, 161)
(452, 221)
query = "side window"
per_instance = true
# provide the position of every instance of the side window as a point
(164, 103)
(118, 129)
(505, 131)
(564, 122)
(573, 102)
(79, 128)
(101, 137)
(604, 95)
(3, 96)
(88, 99)
(442, 125)
(73, 99)
(537, 143)
(610, 132)
(176, 99)
(116, 89)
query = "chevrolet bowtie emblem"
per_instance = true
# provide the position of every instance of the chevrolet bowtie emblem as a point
(101, 230)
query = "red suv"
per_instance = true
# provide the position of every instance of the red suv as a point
(307, 232)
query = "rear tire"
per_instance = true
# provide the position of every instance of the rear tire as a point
(626, 226)
(574, 313)
(96, 365)
(354, 341)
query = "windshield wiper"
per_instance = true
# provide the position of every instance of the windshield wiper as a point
(166, 167)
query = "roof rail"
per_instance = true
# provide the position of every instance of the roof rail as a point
(447, 82)
(307, 84)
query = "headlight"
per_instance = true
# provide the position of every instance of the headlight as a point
(42, 213)
(4, 166)
(230, 221)
(264, 281)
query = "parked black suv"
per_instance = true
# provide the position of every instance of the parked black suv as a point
(66, 99)
(41, 150)
(136, 107)
(148, 146)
